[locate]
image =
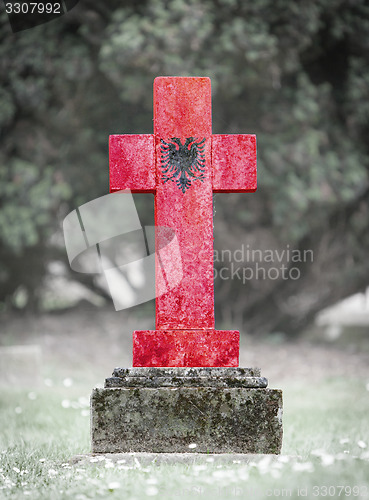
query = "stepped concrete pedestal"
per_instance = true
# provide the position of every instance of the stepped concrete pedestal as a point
(182, 410)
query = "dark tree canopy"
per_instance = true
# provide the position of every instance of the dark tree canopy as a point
(294, 73)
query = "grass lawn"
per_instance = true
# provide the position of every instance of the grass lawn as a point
(325, 451)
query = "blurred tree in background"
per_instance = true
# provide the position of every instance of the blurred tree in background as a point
(294, 73)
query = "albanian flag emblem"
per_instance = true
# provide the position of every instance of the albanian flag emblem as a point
(183, 163)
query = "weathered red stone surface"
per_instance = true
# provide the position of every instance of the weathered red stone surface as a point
(234, 163)
(182, 109)
(132, 163)
(183, 164)
(185, 348)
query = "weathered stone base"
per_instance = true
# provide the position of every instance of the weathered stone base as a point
(220, 414)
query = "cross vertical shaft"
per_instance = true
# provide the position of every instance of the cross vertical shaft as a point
(183, 111)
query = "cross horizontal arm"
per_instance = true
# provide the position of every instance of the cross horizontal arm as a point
(132, 163)
(234, 163)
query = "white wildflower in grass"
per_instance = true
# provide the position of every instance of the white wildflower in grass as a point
(122, 461)
(15, 469)
(18, 410)
(199, 467)
(264, 464)
(67, 382)
(344, 440)
(8, 483)
(327, 460)
(206, 479)
(42, 460)
(114, 485)
(243, 474)
(109, 465)
(192, 446)
(65, 403)
(32, 396)
(340, 456)
(275, 473)
(303, 467)
(277, 465)
(361, 444)
(52, 472)
(223, 474)
(84, 402)
(318, 453)
(151, 491)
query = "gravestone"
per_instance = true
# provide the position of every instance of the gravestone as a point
(185, 391)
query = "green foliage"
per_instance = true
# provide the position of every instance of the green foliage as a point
(294, 73)
(314, 167)
(39, 194)
(256, 56)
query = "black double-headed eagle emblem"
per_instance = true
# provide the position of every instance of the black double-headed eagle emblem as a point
(183, 163)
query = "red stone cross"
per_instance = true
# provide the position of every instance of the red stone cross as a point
(183, 164)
